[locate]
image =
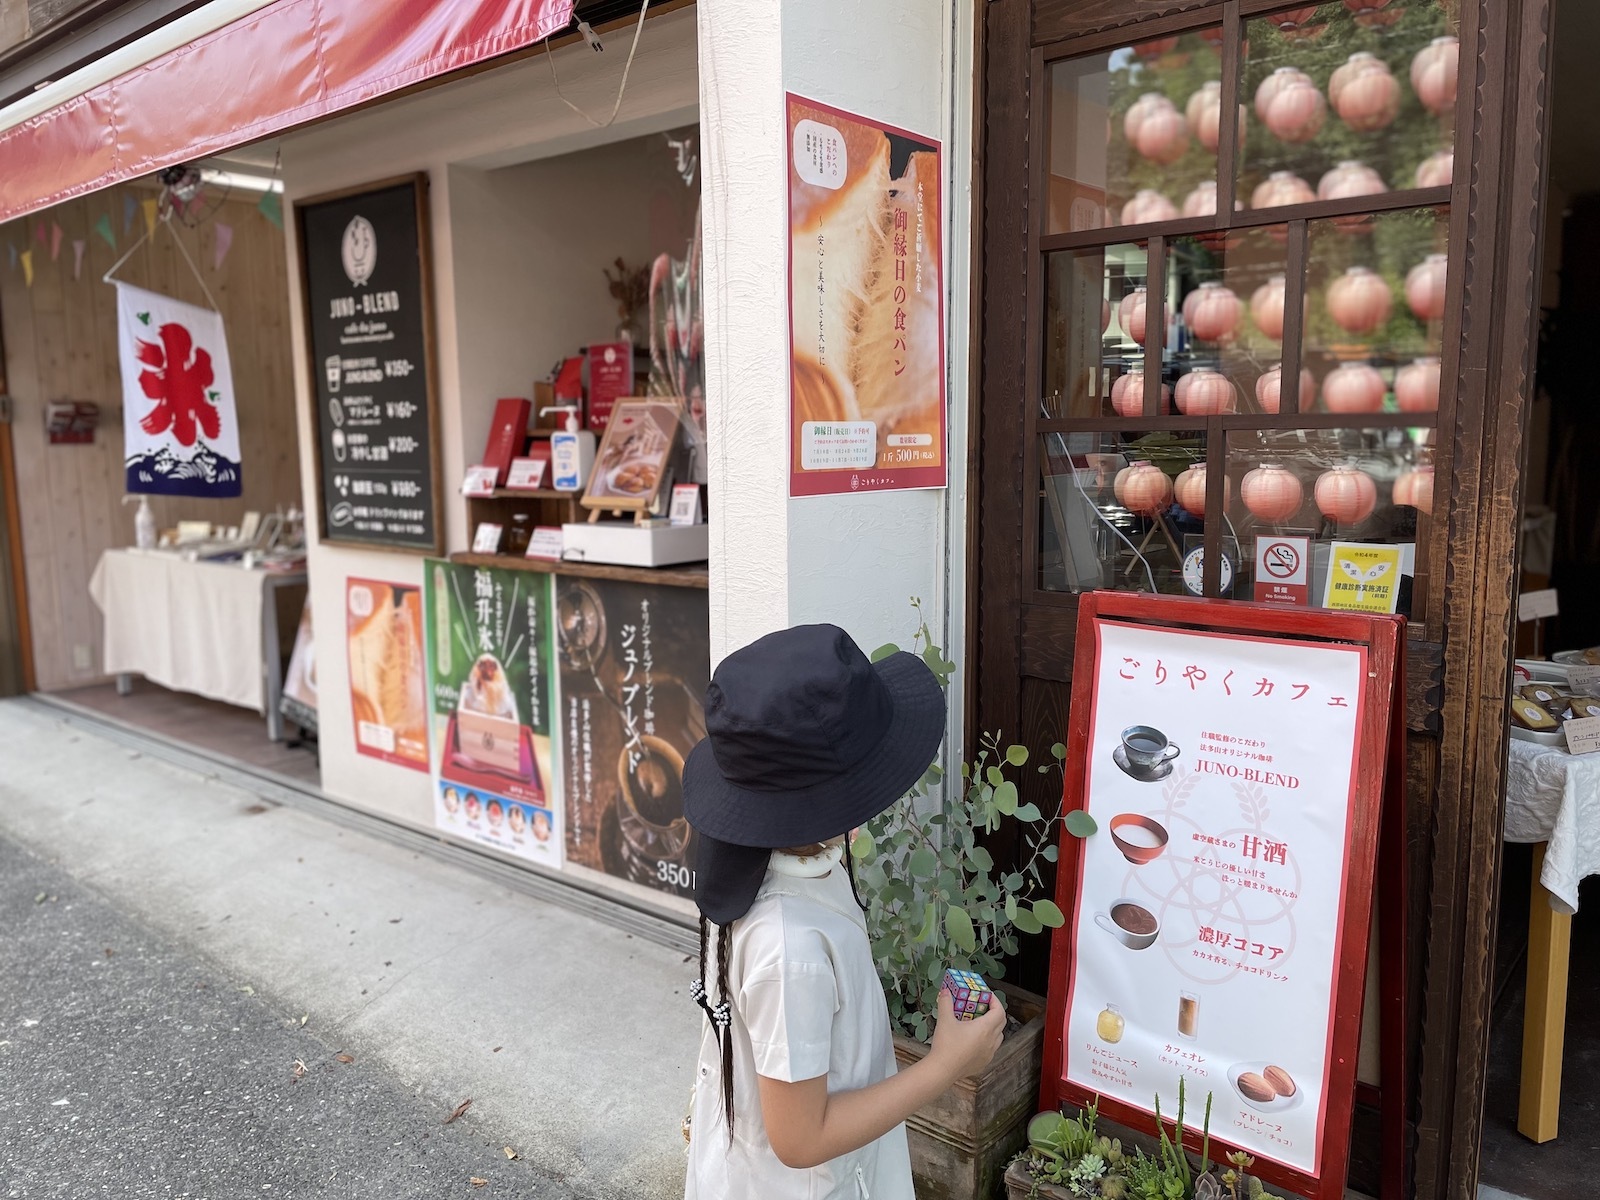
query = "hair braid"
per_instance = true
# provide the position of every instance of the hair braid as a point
(725, 1036)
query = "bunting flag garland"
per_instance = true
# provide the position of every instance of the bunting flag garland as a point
(79, 245)
(223, 245)
(55, 241)
(271, 206)
(151, 208)
(39, 232)
(129, 207)
(27, 267)
(103, 228)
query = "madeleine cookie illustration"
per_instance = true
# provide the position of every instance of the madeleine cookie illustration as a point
(1279, 1081)
(1255, 1087)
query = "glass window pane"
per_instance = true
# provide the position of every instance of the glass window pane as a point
(1120, 510)
(1327, 485)
(1094, 332)
(1348, 99)
(1133, 131)
(1375, 291)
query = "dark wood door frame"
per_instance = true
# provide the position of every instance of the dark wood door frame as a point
(15, 628)
(1458, 699)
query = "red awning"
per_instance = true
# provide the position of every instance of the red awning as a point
(288, 63)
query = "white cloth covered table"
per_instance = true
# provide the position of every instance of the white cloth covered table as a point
(190, 626)
(1554, 797)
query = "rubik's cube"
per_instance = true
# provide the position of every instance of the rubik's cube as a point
(969, 991)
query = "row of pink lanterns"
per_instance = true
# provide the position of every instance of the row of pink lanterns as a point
(1302, 23)
(1348, 388)
(1363, 91)
(1345, 181)
(1359, 301)
(1271, 493)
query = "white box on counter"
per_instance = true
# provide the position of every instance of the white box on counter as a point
(624, 544)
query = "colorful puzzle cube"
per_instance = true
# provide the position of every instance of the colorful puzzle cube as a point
(969, 991)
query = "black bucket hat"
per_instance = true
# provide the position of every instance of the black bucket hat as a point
(805, 741)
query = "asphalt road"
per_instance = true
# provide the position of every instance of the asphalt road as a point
(131, 1069)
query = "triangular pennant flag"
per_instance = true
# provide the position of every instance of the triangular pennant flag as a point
(79, 245)
(224, 244)
(271, 206)
(129, 207)
(151, 207)
(103, 228)
(55, 241)
(27, 267)
(39, 232)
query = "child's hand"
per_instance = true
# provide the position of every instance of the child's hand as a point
(967, 1047)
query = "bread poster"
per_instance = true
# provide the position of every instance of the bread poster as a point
(383, 628)
(866, 305)
(490, 697)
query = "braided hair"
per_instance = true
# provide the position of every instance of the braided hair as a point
(719, 1014)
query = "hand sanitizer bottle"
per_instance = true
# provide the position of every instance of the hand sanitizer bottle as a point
(144, 523)
(571, 452)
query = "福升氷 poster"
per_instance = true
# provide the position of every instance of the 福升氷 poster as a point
(388, 688)
(867, 401)
(489, 693)
(634, 666)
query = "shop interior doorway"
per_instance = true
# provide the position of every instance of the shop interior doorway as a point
(1538, 1137)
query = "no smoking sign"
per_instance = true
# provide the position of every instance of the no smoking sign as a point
(1283, 570)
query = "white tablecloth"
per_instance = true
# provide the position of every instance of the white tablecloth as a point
(190, 626)
(1554, 797)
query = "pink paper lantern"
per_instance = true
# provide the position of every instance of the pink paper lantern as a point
(1202, 202)
(1204, 115)
(1275, 83)
(1425, 287)
(1281, 188)
(1130, 314)
(1414, 489)
(1146, 490)
(1148, 206)
(1433, 74)
(1189, 490)
(1269, 389)
(1271, 493)
(1370, 101)
(1296, 112)
(1346, 495)
(1127, 396)
(1356, 64)
(1437, 170)
(1359, 301)
(1119, 483)
(1163, 137)
(1348, 180)
(1105, 316)
(1294, 20)
(1416, 386)
(1215, 314)
(1141, 110)
(1266, 307)
(1373, 14)
(1353, 388)
(1204, 393)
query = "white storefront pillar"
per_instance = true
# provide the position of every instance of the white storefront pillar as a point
(854, 560)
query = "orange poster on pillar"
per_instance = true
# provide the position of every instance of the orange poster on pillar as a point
(866, 305)
(388, 687)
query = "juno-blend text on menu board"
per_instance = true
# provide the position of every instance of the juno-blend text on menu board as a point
(365, 265)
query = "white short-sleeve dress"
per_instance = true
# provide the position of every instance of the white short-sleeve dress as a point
(805, 1001)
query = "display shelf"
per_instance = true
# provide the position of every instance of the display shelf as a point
(690, 576)
(522, 494)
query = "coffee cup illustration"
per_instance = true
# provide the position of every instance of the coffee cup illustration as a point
(1141, 839)
(1131, 923)
(1147, 748)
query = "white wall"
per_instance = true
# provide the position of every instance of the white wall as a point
(496, 119)
(853, 560)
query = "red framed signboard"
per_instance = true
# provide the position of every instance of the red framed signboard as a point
(867, 405)
(1235, 760)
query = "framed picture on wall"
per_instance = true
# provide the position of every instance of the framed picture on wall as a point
(366, 278)
(635, 456)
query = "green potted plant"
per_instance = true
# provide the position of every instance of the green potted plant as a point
(936, 899)
(1068, 1159)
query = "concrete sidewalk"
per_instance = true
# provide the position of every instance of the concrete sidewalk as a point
(574, 1039)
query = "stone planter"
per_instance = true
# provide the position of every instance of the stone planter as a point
(960, 1143)
(1020, 1185)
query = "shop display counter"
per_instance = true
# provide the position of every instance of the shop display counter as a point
(691, 576)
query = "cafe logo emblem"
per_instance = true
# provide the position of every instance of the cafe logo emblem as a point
(358, 250)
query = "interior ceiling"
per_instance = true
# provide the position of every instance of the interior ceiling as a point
(1575, 102)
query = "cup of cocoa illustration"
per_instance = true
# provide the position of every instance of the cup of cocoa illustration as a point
(1131, 923)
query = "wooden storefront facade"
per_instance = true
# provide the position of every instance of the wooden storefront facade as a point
(1053, 278)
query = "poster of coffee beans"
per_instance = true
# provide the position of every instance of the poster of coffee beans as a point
(634, 666)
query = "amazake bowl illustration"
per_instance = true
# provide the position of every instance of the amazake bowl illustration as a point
(1140, 838)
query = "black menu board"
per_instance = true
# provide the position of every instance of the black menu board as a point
(364, 263)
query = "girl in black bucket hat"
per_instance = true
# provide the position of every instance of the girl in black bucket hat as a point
(797, 1093)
